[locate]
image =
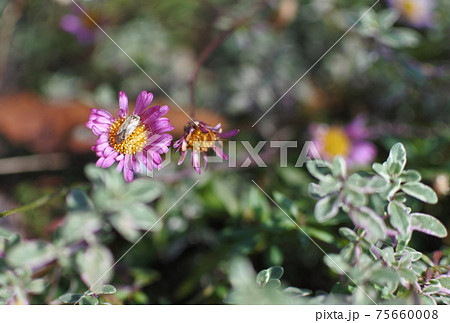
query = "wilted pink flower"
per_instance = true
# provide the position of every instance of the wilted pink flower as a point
(350, 142)
(417, 13)
(131, 140)
(199, 137)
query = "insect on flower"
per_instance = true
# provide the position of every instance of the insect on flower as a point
(127, 128)
(199, 137)
(134, 140)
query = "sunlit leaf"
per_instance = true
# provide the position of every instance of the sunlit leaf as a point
(420, 191)
(398, 217)
(428, 224)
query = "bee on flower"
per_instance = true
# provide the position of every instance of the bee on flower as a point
(133, 139)
(199, 137)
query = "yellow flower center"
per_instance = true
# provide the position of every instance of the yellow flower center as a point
(409, 8)
(199, 140)
(336, 142)
(132, 144)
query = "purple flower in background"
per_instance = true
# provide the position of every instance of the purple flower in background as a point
(350, 142)
(81, 27)
(131, 140)
(417, 13)
(199, 137)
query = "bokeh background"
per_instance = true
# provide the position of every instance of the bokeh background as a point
(392, 70)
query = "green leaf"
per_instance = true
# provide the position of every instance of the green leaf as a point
(129, 221)
(398, 217)
(5, 233)
(94, 265)
(407, 275)
(258, 204)
(262, 277)
(420, 191)
(367, 219)
(444, 280)
(355, 199)
(275, 272)
(70, 298)
(445, 300)
(36, 286)
(34, 254)
(107, 289)
(318, 172)
(78, 201)
(431, 289)
(273, 284)
(349, 234)
(428, 224)
(316, 191)
(367, 185)
(397, 159)
(387, 18)
(297, 292)
(388, 255)
(227, 195)
(381, 170)
(143, 191)
(79, 226)
(339, 169)
(88, 300)
(336, 263)
(286, 204)
(427, 300)
(326, 208)
(410, 175)
(385, 275)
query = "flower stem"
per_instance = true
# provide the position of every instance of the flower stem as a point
(35, 204)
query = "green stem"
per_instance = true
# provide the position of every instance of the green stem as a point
(37, 203)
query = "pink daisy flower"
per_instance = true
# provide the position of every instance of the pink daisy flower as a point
(131, 140)
(418, 13)
(199, 137)
(350, 142)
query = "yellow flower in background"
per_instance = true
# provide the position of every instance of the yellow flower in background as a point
(417, 13)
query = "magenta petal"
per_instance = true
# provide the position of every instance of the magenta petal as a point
(102, 139)
(127, 169)
(108, 161)
(217, 127)
(96, 130)
(163, 110)
(183, 154)
(363, 153)
(202, 128)
(123, 104)
(147, 100)
(105, 114)
(100, 161)
(220, 152)
(140, 103)
(196, 160)
(135, 164)
(229, 134)
(357, 129)
(120, 165)
(206, 159)
(177, 143)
